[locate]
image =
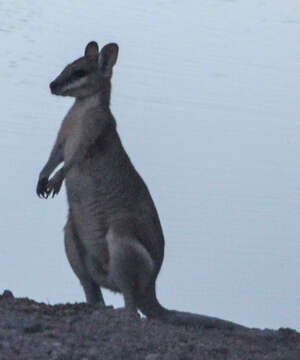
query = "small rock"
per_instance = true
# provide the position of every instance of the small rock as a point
(93, 352)
(32, 327)
(7, 294)
(287, 332)
(153, 357)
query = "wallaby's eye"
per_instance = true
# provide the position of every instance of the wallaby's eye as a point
(79, 74)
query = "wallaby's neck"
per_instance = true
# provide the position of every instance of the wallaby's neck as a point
(100, 99)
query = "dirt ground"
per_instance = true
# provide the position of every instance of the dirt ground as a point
(31, 330)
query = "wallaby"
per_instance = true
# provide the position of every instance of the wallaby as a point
(113, 235)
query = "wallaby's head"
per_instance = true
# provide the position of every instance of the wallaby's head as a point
(89, 74)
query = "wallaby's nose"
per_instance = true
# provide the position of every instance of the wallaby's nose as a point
(53, 87)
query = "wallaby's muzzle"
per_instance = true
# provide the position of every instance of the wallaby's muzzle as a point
(54, 87)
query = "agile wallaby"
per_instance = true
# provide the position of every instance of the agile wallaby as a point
(113, 236)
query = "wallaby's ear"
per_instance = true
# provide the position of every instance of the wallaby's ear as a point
(107, 58)
(91, 50)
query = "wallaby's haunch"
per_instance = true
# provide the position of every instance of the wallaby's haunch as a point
(113, 236)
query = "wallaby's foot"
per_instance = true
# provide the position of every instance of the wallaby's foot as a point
(128, 314)
(101, 306)
(93, 294)
(41, 188)
(97, 302)
(54, 184)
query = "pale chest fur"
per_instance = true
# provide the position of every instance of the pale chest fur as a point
(76, 125)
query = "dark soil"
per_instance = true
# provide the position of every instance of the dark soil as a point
(31, 330)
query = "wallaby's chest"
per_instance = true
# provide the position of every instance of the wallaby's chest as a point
(74, 130)
(71, 129)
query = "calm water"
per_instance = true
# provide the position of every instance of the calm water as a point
(207, 101)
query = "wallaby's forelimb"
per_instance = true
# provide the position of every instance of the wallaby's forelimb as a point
(55, 183)
(56, 157)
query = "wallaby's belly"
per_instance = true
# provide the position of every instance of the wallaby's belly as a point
(100, 195)
(92, 207)
(87, 213)
(102, 187)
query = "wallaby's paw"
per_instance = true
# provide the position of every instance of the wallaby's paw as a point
(41, 188)
(54, 186)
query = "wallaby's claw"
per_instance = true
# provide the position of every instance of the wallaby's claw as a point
(41, 188)
(54, 185)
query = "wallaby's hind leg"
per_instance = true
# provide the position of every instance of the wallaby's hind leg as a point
(130, 266)
(75, 253)
(92, 292)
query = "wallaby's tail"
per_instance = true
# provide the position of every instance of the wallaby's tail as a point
(150, 306)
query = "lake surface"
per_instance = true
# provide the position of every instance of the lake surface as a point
(206, 96)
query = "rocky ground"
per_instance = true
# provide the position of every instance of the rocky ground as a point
(31, 330)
